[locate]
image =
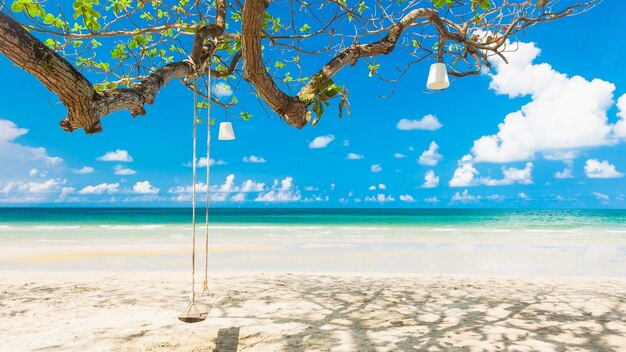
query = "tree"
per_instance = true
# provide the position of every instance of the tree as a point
(134, 47)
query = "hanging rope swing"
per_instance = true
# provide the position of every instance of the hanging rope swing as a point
(193, 313)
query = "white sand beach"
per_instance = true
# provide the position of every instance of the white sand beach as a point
(314, 289)
(98, 311)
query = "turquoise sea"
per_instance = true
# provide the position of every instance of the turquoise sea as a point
(549, 219)
(445, 241)
(75, 223)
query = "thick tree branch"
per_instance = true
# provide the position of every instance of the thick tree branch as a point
(466, 54)
(289, 108)
(294, 109)
(85, 106)
(58, 75)
(351, 54)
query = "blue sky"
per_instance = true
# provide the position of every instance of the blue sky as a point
(543, 132)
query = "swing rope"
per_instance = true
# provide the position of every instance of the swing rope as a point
(193, 195)
(205, 284)
(191, 313)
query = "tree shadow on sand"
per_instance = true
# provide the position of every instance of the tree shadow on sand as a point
(359, 314)
(325, 313)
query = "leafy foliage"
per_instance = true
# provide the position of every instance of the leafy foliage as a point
(118, 42)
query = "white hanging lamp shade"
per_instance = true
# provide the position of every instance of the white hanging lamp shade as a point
(226, 132)
(438, 77)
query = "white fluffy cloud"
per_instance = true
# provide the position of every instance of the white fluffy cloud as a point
(219, 192)
(380, 186)
(202, 162)
(321, 141)
(354, 156)
(23, 192)
(407, 198)
(466, 175)
(376, 168)
(84, 170)
(251, 186)
(430, 157)
(601, 169)
(399, 156)
(573, 106)
(464, 197)
(381, 198)
(620, 126)
(431, 200)
(428, 122)
(566, 172)
(17, 160)
(119, 155)
(229, 185)
(282, 191)
(430, 179)
(102, 188)
(9, 131)
(123, 170)
(65, 194)
(239, 197)
(253, 159)
(511, 176)
(47, 186)
(144, 187)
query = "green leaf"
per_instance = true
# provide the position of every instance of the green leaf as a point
(362, 7)
(50, 43)
(439, 3)
(485, 5)
(17, 6)
(373, 69)
(318, 109)
(305, 28)
(49, 19)
(118, 52)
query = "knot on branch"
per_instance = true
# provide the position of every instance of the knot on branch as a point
(95, 128)
(66, 125)
(354, 54)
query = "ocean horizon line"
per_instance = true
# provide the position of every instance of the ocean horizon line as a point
(65, 206)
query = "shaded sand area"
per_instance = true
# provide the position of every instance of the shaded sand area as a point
(99, 311)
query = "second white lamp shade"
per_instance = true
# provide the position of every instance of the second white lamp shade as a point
(226, 132)
(438, 77)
